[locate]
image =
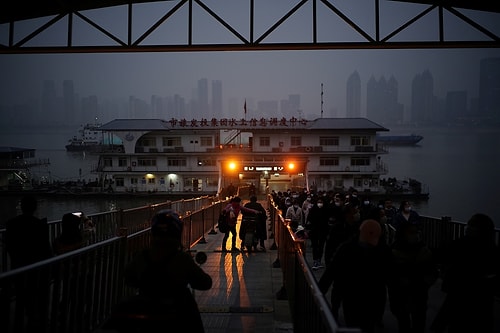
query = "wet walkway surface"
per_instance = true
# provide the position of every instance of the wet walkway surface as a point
(243, 294)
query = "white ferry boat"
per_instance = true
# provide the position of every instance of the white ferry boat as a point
(208, 155)
(92, 139)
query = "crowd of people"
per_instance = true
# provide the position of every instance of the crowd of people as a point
(366, 269)
(351, 249)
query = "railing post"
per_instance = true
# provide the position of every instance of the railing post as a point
(213, 232)
(203, 240)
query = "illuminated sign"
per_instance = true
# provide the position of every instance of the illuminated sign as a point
(263, 168)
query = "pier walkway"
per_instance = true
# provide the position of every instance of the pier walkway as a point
(244, 295)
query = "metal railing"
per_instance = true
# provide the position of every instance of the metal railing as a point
(76, 291)
(309, 307)
(109, 223)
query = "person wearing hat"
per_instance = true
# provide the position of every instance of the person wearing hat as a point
(163, 274)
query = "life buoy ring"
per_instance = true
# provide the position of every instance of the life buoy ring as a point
(365, 182)
(308, 149)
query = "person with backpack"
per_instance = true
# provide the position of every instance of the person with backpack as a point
(232, 210)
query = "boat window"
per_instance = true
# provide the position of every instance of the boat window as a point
(265, 141)
(360, 140)
(329, 161)
(171, 141)
(206, 141)
(328, 140)
(296, 141)
(119, 181)
(360, 160)
(146, 142)
(146, 162)
(173, 161)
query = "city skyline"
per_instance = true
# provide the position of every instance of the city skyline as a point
(118, 80)
(204, 91)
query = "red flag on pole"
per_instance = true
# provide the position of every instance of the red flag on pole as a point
(245, 107)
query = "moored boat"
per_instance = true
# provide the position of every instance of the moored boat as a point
(15, 168)
(399, 140)
(91, 139)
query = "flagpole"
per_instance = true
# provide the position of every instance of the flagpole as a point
(245, 108)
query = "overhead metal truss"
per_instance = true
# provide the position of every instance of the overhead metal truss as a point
(251, 40)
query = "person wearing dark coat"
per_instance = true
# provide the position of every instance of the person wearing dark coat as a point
(358, 276)
(261, 227)
(318, 225)
(163, 275)
(26, 236)
(27, 242)
(413, 272)
(470, 279)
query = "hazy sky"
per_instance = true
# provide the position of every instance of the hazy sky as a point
(270, 75)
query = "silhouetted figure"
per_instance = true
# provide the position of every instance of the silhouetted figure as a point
(413, 272)
(26, 236)
(358, 275)
(163, 275)
(261, 227)
(233, 209)
(317, 226)
(27, 242)
(470, 276)
(405, 214)
(71, 237)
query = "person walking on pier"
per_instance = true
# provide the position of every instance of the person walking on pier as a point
(318, 226)
(261, 227)
(232, 210)
(163, 274)
(413, 272)
(358, 275)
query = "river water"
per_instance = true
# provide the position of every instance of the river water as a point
(460, 167)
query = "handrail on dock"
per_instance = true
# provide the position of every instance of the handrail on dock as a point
(78, 290)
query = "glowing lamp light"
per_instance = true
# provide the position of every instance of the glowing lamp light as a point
(291, 166)
(232, 166)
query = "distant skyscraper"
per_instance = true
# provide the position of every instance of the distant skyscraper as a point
(423, 102)
(157, 108)
(456, 105)
(267, 108)
(179, 107)
(216, 99)
(395, 110)
(69, 102)
(90, 108)
(49, 103)
(353, 96)
(285, 108)
(294, 106)
(382, 104)
(203, 106)
(489, 88)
